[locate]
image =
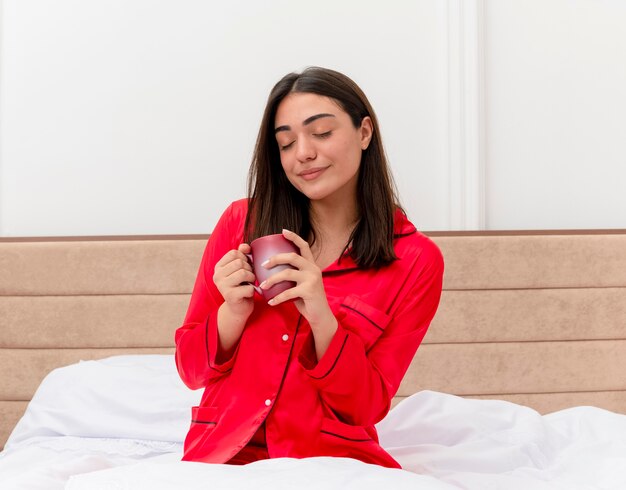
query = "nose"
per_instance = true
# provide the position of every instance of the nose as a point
(305, 150)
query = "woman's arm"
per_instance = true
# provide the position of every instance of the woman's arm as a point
(206, 342)
(356, 382)
(233, 277)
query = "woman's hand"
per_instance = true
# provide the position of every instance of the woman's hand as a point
(308, 293)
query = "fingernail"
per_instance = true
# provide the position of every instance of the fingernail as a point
(271, 302)
(262, 285)
(265, 263)
(286, 230)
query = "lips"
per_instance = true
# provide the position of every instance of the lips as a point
(312, 173)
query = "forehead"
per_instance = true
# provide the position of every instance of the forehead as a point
(297, 107)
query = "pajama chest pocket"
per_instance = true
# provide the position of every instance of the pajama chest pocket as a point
(363, 319)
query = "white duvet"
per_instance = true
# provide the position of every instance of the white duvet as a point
(79, 436)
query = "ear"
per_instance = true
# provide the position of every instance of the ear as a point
(366, 131)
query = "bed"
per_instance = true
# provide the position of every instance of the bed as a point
(519, 383)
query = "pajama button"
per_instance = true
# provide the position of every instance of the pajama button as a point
(285, 338)
(268, 402)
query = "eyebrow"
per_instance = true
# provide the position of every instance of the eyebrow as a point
(308, 120)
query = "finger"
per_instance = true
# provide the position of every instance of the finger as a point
(227, 258)
(235, 295)
(230, 256)
(246, 291)
(236, 287)
(287, 295)
(290, 258)
(224, 276)
(301, 243)
(239, 277)
(292, 275)
(234, 266)
(244, 248)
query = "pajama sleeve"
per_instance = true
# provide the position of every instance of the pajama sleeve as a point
(356, 380)
(197, 357)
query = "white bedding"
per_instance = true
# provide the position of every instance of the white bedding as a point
(119, 424)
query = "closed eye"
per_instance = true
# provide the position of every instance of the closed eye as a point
(324, 135)
(286, 147)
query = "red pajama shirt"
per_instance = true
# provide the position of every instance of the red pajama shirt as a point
(274, 385)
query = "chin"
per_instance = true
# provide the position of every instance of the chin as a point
(315, 194)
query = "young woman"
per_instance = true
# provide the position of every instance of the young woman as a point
(312, 371)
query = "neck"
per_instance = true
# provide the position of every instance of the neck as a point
(333, 219)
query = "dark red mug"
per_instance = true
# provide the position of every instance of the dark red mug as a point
(263, 248)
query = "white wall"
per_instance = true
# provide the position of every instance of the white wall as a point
(556, 113)
(139, 116)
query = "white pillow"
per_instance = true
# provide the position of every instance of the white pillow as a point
(122, 397)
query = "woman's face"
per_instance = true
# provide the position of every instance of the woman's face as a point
(320, 149)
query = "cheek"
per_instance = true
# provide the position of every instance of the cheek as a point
(353, 154)
(351, 146)
(287, 167)
(285, 163)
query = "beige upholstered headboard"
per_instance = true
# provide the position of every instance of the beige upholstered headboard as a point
(538, 318)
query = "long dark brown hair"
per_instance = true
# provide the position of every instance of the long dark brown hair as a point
(276, 204)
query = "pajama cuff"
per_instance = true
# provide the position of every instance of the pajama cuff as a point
(320, 371)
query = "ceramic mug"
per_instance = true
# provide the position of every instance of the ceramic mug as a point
(263, 248)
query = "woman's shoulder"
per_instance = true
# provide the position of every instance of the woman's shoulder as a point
(423, 246)
(411, 241)
(230, 224)
(240, 205)
(429, 248)
(237, 210)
